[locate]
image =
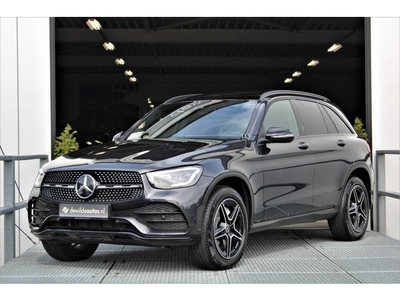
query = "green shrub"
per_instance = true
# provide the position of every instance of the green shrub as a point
(66, 142)
(359, 128)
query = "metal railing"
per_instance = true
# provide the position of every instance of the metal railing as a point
(10, 206)
(380, 190)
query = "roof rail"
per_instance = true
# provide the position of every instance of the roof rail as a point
(177, 98)
(275, 93)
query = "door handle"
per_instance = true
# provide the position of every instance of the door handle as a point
(303, 145)
(341, 143)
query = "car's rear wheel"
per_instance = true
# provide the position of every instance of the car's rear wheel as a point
(69, 251)
(351, 221)
(224, 231)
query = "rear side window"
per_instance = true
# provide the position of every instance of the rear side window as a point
(329, 123)
(313, 121)
(337, 121)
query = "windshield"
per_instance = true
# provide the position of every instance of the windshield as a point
(200, 119)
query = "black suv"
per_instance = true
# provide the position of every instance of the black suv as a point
(204, 171)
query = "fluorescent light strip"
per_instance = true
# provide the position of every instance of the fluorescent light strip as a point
(93, 24)
(334, 48)
(296, 74)
(313, 63)
(108, 46)
(120, 61)
(128, 73)
(288, 80)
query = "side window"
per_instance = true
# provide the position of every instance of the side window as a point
(313, 121)
(280, 114)
(339, 124)
(328, 121)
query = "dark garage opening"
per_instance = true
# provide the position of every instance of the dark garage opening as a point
(180, 55)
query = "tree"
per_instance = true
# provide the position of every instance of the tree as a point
(359, 128)
(66, 142)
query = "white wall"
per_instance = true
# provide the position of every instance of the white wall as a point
(385, 67)
(24, 103)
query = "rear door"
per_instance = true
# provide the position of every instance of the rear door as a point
(332, 152)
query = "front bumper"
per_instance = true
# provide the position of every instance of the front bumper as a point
(154, 224)
(158, 218)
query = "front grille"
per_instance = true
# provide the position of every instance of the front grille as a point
(113, 186)
(62, 177)
(104, 177)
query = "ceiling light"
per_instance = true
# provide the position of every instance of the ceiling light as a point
(313, 63)
(119, 61)
(334, 48)
(148, 100)
(151, 105)
(296, 74)
(128, 73)
(109, 46)
(288, 80)
(93, 24)
(132, 79)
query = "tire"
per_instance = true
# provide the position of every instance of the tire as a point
(224, 231)
(69, 251)
(351, 221)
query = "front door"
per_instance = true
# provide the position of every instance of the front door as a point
(288, 167)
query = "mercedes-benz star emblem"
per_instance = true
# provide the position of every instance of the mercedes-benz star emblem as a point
(85, 186)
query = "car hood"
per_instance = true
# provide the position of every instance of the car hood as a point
(157, 153)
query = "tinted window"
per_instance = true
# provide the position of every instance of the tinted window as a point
(329, 123)
(197, 119)
(223, 121)
(312, 118)
(280, 114)
(339, 124)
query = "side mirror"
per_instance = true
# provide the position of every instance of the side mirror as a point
(279, 135)
(117, 136)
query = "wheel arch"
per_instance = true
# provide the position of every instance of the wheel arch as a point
(365, 176)
(240, 184)
(351, 220)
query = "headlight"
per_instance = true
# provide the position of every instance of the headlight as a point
(175, 178)
(39, 179)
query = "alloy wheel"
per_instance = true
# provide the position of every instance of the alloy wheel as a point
(229, 229)
(357, 208)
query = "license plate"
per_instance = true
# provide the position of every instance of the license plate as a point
(86, 211)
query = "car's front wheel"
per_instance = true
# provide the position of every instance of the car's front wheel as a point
(69, 251)
(351, 221)
(224, 231)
